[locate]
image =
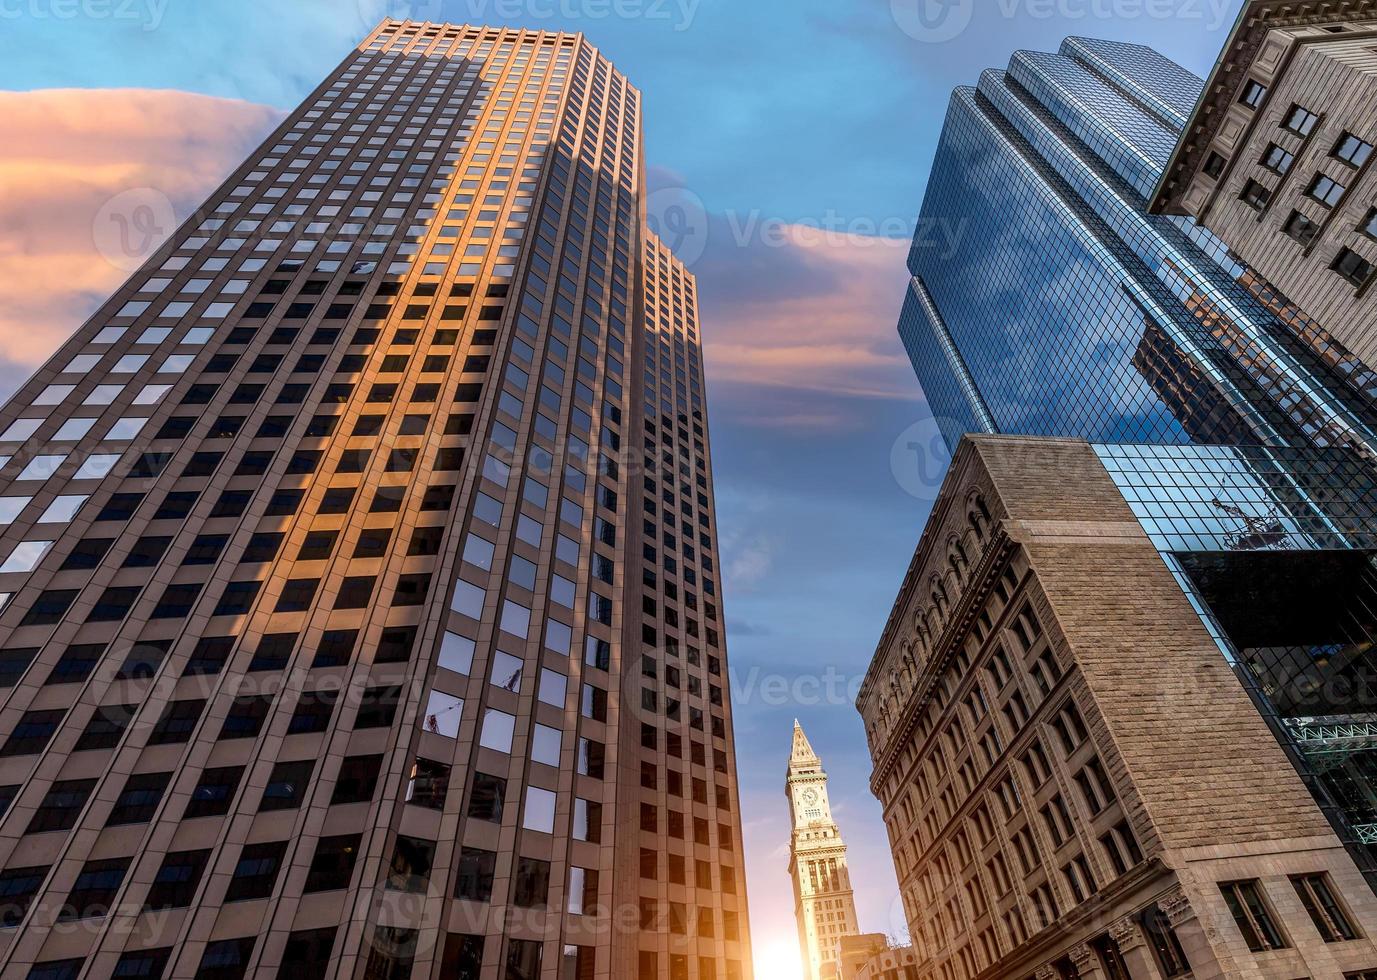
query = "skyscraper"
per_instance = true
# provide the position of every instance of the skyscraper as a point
(824, 901)
(1054, 304)
(361, 612)
(1143, 601)
(1060, 307)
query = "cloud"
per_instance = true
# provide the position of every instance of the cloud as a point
(68, 153)
(799, 323)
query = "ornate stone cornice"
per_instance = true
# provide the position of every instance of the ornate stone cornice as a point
(944, 647)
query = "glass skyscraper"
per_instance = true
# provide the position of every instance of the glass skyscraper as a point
(1044, 300)
(359, 599)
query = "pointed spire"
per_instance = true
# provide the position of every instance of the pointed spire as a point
(803, 754)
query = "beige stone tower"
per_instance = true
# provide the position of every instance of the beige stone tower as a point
(823, 901)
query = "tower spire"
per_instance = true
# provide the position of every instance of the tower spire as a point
(803, 754)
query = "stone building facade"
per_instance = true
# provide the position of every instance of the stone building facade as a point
(1275, 161)
(1075, 783)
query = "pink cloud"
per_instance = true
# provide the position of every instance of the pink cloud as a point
(800, 325)
(68, 153)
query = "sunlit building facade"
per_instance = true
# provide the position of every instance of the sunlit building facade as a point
(361, 614)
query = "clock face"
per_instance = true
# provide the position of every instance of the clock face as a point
(810, 797)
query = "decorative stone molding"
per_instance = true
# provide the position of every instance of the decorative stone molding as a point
(1083, 958)
(1126, 934)
(1177, 907)
(1046, 972)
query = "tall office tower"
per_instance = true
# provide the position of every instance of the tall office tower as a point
(824, 902)
(1075, 784)
(682, 791)
(1273, 160)
(1045, 300)
(322, 643)
(1057, 306)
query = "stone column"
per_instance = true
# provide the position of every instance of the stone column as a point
(1190, 931)
(1133, 947)
(1087, 964)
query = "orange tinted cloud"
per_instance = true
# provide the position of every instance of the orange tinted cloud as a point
(67, 153)
(800, 325)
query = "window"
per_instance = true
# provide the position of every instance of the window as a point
(429, 784)
(245, 717)
(174, 886)
(332, 867)
(32, 732)
(61, 806)
(357, 780)
(532, 883)
(463, 957)
(1250, 911)
(177, 722)
(1255, 195)
(1165, 945)
(1300, 120)
(1351, 150)
(1331, 921)
(377, 707)
(1277, 159)
(142, 964)
(1326, 190)
(256, 872)
(523, 959)
(287, 785)
(18, 886)
(213, 793)
(307, 953)
(226, 959)
(412, 860)
(1351, 266)
(477, 869)
(139, 799)
(1300, 228)
(1214, 165)
(1253, 94)
(95, 888)
(486, 799)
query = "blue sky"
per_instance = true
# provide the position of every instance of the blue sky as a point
(798, 135)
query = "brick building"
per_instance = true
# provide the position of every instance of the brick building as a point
(1075, 781)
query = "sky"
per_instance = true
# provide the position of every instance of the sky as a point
(788, 144)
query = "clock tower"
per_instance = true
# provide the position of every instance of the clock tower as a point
(823, 902)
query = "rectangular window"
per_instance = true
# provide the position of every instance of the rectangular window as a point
(1300, 120)
(1351, 266)
(255, 874)
(1214, 165)
(1351, 150)
(1300, 228)
(333, 864)
(1326, 912)
(1277, 159)
(1253, 94)
(1326, 190)
(1255, 195)
(1250, 912)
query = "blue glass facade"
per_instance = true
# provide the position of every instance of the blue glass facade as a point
(1058, 306)
(1055, 305)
